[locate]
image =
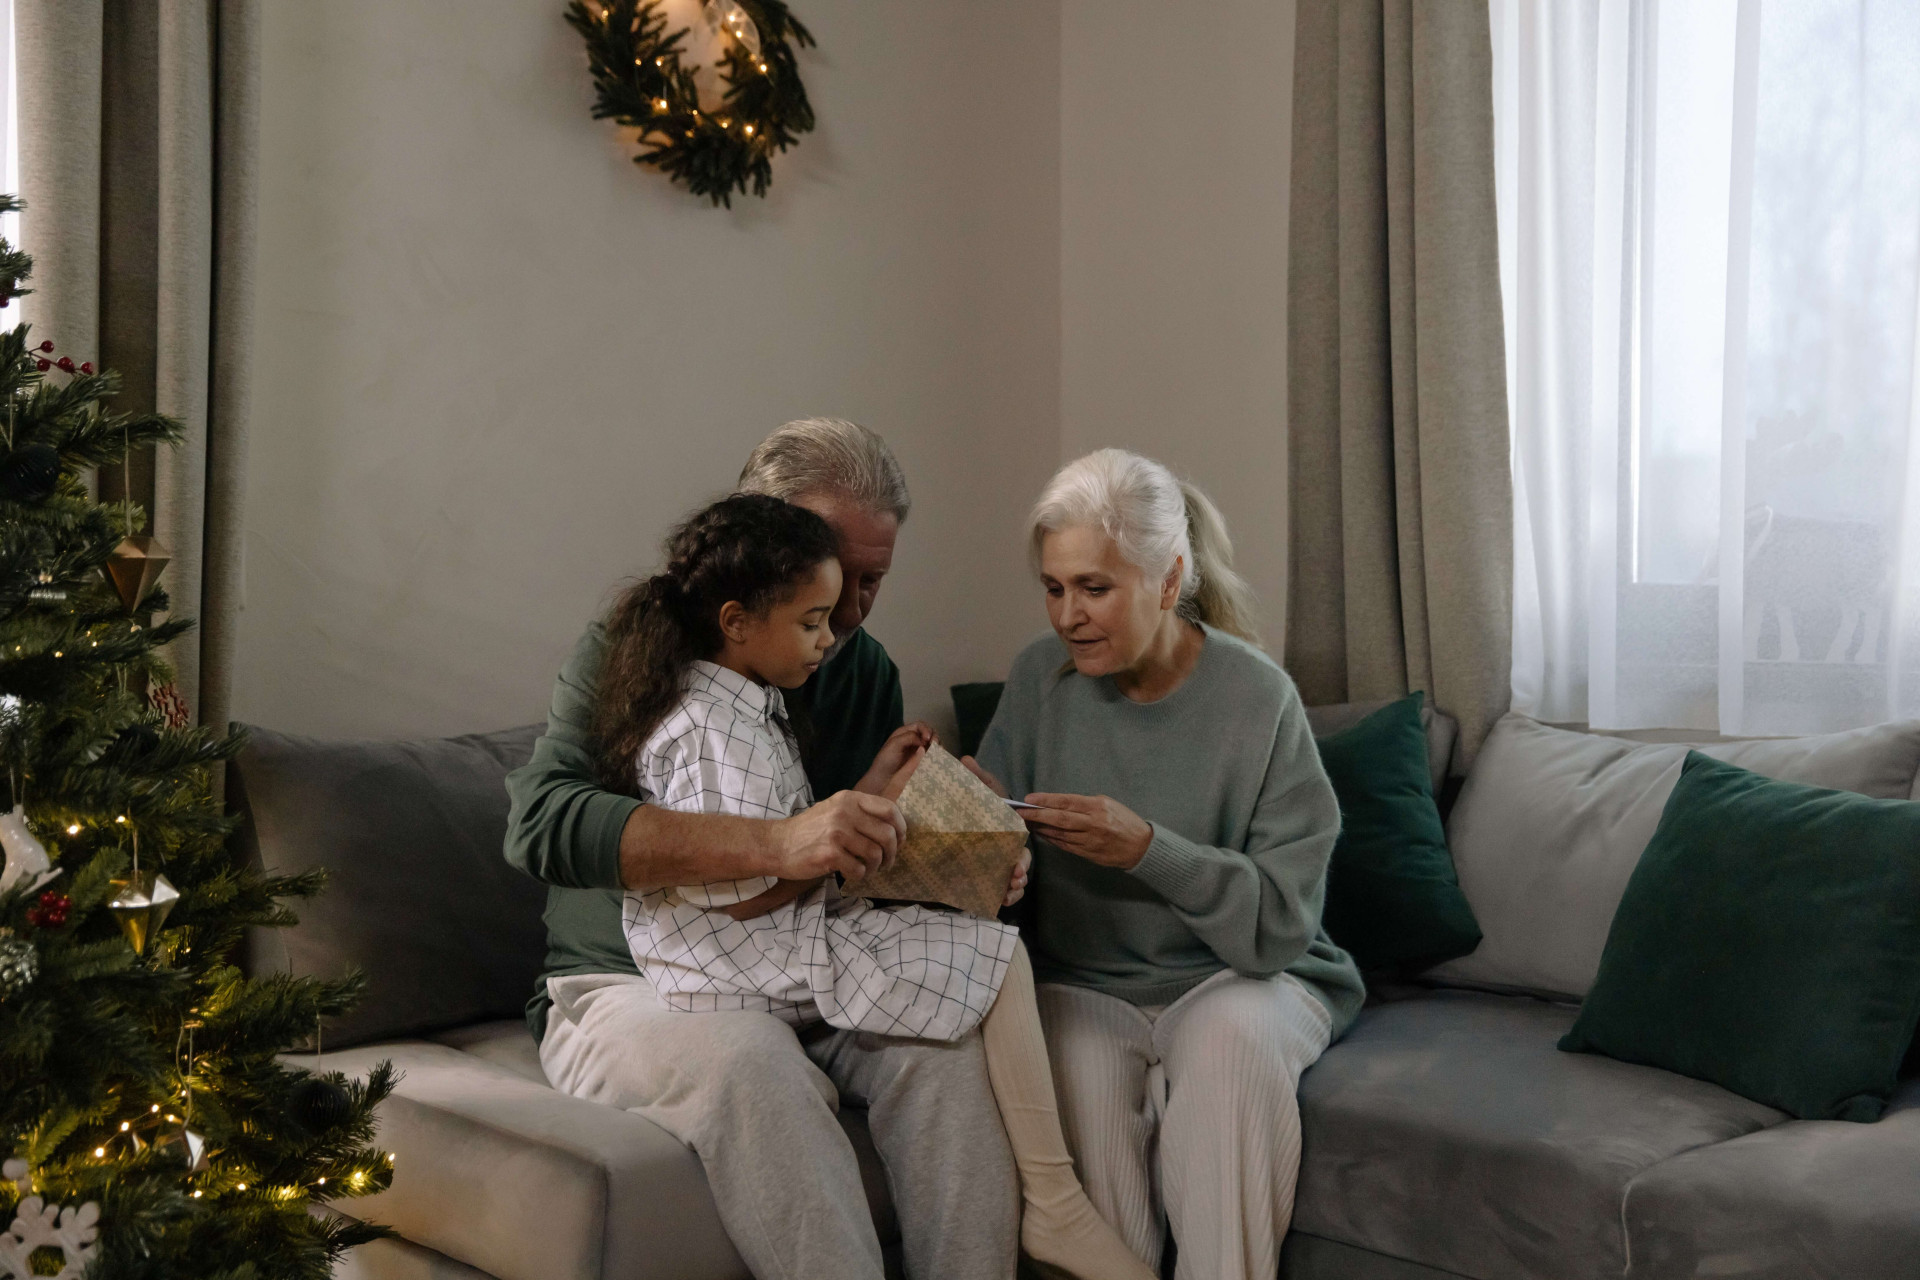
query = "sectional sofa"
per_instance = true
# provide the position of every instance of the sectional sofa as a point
(1445, 1135)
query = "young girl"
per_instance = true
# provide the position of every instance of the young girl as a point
(691, 718)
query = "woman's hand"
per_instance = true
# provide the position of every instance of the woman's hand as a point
(894, 753)
(1097, 828)
(1017, 884)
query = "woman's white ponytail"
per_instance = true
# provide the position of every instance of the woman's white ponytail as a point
(1222, 598)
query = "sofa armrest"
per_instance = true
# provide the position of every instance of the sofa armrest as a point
(526, 1183)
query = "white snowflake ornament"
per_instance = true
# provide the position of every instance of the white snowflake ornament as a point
(38, 1225)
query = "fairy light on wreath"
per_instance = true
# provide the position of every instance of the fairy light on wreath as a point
(642, 80)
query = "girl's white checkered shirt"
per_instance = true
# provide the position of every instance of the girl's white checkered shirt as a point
(904, 970)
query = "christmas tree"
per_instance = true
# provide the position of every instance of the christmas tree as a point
(146, 1126)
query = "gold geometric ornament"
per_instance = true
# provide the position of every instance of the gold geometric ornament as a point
(140, 905)
(135, 566)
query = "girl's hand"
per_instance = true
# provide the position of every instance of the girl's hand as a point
(894, 753)
(1096, 828)
(1017, 884)
(778, 896)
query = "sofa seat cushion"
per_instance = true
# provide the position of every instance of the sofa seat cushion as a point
(1807, 1199)
(1448, 1130)
(505, 1044)
(495, 1168)
(392, 1259)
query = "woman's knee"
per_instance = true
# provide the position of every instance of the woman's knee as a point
(1245, 1034)
(1088, 1033)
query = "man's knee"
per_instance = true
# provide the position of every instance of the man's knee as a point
(933, 1084)
(750, 1059)
(956, 1070)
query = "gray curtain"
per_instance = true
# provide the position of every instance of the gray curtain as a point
(1401, 548)
(138, 128)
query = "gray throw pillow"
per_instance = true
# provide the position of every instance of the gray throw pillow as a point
(419, 896)
(1551, 823)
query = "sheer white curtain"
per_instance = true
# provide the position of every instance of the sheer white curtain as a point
(9, 149)
(1709, 214)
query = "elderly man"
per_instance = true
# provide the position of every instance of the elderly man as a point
(752, 1098)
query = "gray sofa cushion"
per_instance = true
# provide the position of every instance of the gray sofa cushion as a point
(1809, 1198)
(1449, 1131)
(1305, 1257)
(1442, 730)
(497, 1170)
(1551, 824)
(419, 897)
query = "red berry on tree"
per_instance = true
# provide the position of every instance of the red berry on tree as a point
(66, 363)
(47, 345)
(86, 366)
(50, 912)
(44, 365)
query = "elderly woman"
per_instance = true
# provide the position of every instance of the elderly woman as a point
(1184, 828)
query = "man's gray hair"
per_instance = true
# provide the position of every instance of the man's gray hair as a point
(828, 455)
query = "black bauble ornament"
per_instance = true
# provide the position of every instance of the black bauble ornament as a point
(134, 741)
(319, 1106)
(29, 473)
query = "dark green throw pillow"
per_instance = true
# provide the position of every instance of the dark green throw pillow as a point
(1393, 900)
(973, 708)
(1768, 941)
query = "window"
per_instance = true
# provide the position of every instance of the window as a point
(1710, 225)
(10, 141)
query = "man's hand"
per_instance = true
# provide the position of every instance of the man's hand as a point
(851, 832)
(1097, 828)
(894, 753)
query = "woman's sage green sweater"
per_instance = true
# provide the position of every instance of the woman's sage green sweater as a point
(1243, 816)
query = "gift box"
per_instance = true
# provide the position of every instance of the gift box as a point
(962, 841)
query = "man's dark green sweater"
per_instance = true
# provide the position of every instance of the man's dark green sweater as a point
(564, 830)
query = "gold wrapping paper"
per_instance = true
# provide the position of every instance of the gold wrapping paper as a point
(962, 840)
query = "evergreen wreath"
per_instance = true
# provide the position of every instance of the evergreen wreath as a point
(641, 81)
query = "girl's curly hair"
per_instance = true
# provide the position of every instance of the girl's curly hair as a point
(748, 547)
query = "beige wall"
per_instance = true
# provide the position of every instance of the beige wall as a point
(1176, 129)
(496, 360)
